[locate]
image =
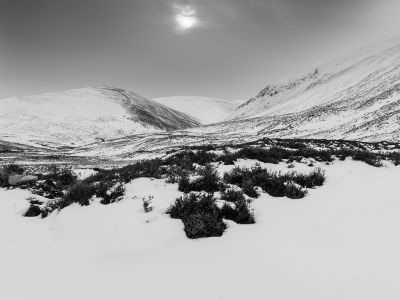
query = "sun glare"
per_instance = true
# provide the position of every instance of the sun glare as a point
(185, 17)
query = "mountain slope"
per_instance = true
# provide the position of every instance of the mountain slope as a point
(353, 97)
(205, 110)
(82, 116)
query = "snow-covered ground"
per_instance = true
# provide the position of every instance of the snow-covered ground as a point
(205, 110)
(340, 242)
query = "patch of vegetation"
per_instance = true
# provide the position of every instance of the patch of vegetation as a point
(236, 208)
(294, 191)
(79, 193)
(199, 214)
(33, 211)
(313, 179)
(8, 170)
(110, 192)
(274, 183)
(207, 180)
(147, 204)
(187, 158)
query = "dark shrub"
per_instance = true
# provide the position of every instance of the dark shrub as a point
(186, 159)
(273, 183)
(232, 195)
(203, 224)
(59, 179)
(208, 181)
(227, 158)
(237, 175)
(33, 211)
(240, 213)
(199, 214)
(145, 168)
(14, 169)
(395, 158)
(367, 157)
(7, 170)
(272, 155)
(174, 173)
(66, 178)
(313, 179)
(241, 177)
(249, 188)
(184, 183)
(78, 193)
(110, 192)
(294, 191)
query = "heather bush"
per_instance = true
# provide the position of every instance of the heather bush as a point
(14, 169)
(33, 211)
(273, 183)
(78, 193)
(7, 170)
(59, 179)
(313, 179)
(294, 191)
(199, 214)
(237, 209)
(207, 180)
(110, 192)
(231, 195)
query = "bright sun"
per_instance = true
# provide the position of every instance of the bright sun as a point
(185, 17)
(185, 22)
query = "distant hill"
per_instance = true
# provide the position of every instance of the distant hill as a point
(353, 97)
(205, 110)
(83, 116)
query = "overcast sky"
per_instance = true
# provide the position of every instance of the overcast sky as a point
(228, 49)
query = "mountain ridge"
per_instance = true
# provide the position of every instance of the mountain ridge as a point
(81, 116)
(353, 97)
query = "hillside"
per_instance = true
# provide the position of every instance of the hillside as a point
(205, 110)
(354, 97)
(82, 116)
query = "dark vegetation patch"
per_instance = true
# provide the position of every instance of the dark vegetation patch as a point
(33, 211)
(207, 180)
(199, 214)
(202, 217)
(236, 207)
(78, 193)
(277, 150)
(9, 170)
(291, 185)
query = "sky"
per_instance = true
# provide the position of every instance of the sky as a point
(228, 49)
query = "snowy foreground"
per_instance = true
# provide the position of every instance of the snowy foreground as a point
(339, 242)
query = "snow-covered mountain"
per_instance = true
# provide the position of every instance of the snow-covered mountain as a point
(82, 116)
(205, 110)
(353, 97)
